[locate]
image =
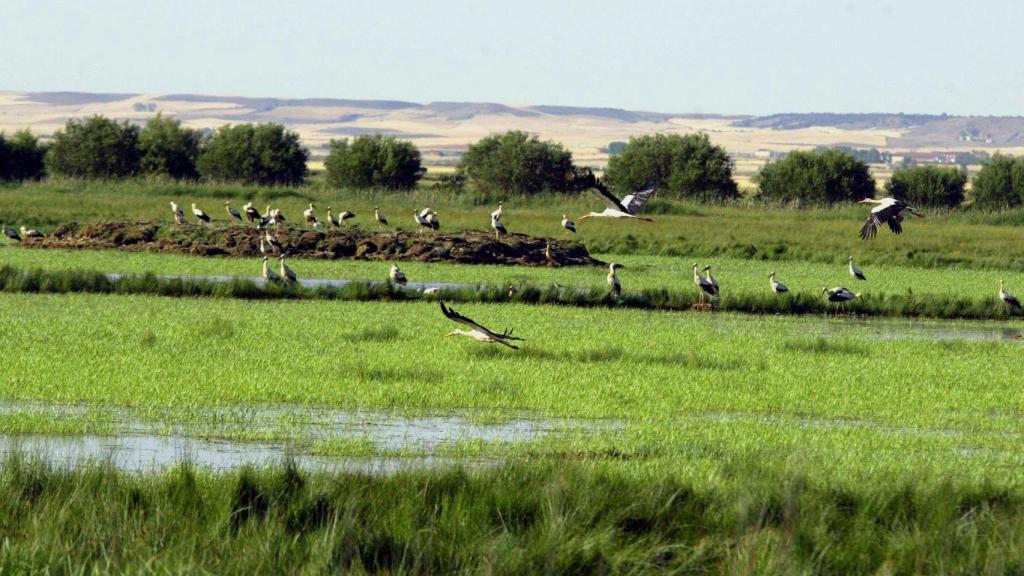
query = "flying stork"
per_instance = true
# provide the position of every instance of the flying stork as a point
(310, 215)
(839, 295)
(12, 234)
(704, 286)
(568, 224)
(626, 208)
(499, 228)
(379, 217)
(1009, 299)
(613, 280)
(886, 211)
(30, 233)
(854, 271)
(777, 287)
(179, 216)
(397, 276)
(478, 331)
(232, 212)
(287, 273)
(268, 273)
(199, 214)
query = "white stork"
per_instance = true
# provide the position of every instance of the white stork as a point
(496, 215)
(268, 273)
(276, 215)
(711, 280)
(1009, 299)
(199, 214)
(426, 219)
(331, 219)
(287, 273)
(549, 254)
(12, 234)
(478, 331)
(626, 208)
(499, 228)
(854, 271)
(179, 216)
(886, 211)
(568, 224)
(613, 280)
(232, 213)
(345, 215)
(251, 214)
(379, 217)
(310, 215)
(30, 233)
(397, 276)
(272, 240)
(777, 287)
(839, 295)
(704, 286)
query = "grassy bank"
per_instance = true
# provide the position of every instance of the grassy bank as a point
(564, 519)
(749, 231)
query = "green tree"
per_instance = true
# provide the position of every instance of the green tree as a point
(1000, 183)
(373, 162)
(516, 162)
(96, 147)
(168, 149)
(815, 177)
(25, 157)
(928, 186)
(679, 166)
(265, 154)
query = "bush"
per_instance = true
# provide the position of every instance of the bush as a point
(21, 157)
(516, 162)
(265, 154)
(96, 147)
(928, 186)
(815, 177)
(679, 166)
(374, 162)
(1000, 183)
(167, 149)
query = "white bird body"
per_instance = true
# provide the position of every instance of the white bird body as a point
(854, 271)
(839, 295)
(628, 207)
(345, 215)
(777, 287)
(331, 219)
(286, 272)
(886, 211)
(427, 218)
(30, 233)
(310, 215)
(179, 216)
(251, 214)
(568, 224)
(613, 280)
(379, 217)
(232, 212)
(1009, 299)
(268, 274)
(499, 228)
(704, 286)
(496, 215)
(711, 280)
(478, 331)
(397, 276)
(265, 248)
(199, 214)
(272, 240)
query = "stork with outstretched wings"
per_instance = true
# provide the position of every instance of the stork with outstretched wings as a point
(478, 331)
(628, 207)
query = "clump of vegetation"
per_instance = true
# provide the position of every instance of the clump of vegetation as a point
(816, 177)
(21, 157)
(929, 186)
(682, 167)
(1000, 183)
(518, 163)
(374, 162)
(168, 149)
(264, 154)
(96, 147)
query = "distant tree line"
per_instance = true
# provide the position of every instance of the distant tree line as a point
(21, 157)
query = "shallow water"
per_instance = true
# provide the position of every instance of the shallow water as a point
(304, 282)
(887, 329)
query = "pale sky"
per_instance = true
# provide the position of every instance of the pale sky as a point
(744, 57)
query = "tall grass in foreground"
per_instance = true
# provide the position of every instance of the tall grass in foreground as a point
(15, 280)
(554, 518)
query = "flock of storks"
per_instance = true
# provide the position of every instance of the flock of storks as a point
(887, 211)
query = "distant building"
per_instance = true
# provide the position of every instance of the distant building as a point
(768, 154)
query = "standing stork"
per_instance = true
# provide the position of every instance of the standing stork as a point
(276, 215)
(1009, 299)
(345, 215)
(265, 248)
(251, 214)
(397, 276)
(777, 287)
(12, 234)
(568, 224)
(179, 216)
(426, 218)
(704, 286)
(496, 215)
(711, 280)
(310, 215)
(199, 214)
(287, 273)
(854, 271)
(499, 228)
(886, 211)
(232, 213)
(625, 208)
(30, 233)
(331, 219)
(433, 221)
(478, 331)
(613, 280)
(268, 273)
(379, 217)
(272, 240)
(840, 296)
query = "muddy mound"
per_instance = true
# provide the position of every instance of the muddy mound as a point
(470, 247)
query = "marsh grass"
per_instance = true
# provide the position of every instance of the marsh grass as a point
(564, 518)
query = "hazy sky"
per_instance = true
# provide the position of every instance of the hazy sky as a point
(757, 57)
